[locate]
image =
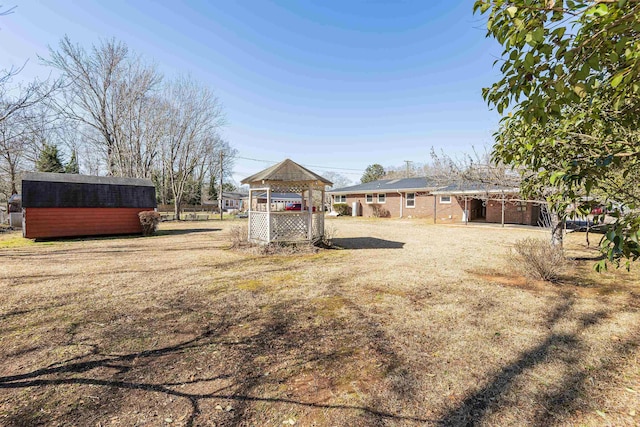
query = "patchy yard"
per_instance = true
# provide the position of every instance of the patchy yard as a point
(411, 324)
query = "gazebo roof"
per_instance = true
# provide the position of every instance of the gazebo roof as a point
(286, 171)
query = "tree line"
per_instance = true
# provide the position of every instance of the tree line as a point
(107, 111)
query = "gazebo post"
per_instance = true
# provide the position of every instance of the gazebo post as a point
(269, 214)
(250, 208)
(310, 215)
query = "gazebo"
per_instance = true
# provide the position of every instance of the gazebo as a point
(270, 222)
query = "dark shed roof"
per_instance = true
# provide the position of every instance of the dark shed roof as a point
(48, 190)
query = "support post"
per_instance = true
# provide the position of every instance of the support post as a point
(435, 208)
(310, 206)
(269, 214)
(466, 212)
(221, 178)
(250, 208)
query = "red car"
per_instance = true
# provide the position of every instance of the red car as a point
(295, 207)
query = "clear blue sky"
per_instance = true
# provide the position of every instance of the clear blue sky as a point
(338, 84)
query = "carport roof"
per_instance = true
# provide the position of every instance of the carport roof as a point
(471, 188)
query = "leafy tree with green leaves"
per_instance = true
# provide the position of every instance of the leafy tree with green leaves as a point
(72, 166)
(373, 172)
(571, 86)
(49, 160)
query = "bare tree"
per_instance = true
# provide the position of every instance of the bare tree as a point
(110, 92)
(12, 150)
(25, 96)
(19, 106)
(193, 120)
(339, 180)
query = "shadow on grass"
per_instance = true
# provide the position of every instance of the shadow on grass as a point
(563, 399)
(179, 232)
(366, 243)
(279, 337)
(159, 232)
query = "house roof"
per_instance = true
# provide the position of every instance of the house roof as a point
(388, 185)
(234, 195)
(85, 179)
(286, 171)
(424, 184)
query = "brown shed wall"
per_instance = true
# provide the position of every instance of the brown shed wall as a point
(67, 222)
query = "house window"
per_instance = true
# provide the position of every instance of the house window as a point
(382, 198)
(411, 200)
(445, 199)
(226, 202)
(369, 198)
(340, 199)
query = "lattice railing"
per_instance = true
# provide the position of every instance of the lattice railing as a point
(259, 227)
(285, 226)
(289, 226)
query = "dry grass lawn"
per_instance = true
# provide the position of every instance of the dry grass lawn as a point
(409, 324)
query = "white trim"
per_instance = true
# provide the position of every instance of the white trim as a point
(384, 195)
(366, 198)
(407, 200)
(343, 198)
(442, 202)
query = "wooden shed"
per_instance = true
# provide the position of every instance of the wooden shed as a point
(66, 205)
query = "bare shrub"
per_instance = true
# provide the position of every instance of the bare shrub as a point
(149, 221)
(342, 209)
(329, 235)
(284, 248)
(238, 234)
(538, 259)
(379, 211)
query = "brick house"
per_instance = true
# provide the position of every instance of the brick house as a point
(423, 198)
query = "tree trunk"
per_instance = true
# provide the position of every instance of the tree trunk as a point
(557, 229)
(177, 202)
(13, 177)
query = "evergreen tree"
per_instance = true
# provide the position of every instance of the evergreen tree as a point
(373, 172)
(72, 166)
(229, 187)
(49, 160)
(213, 188)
